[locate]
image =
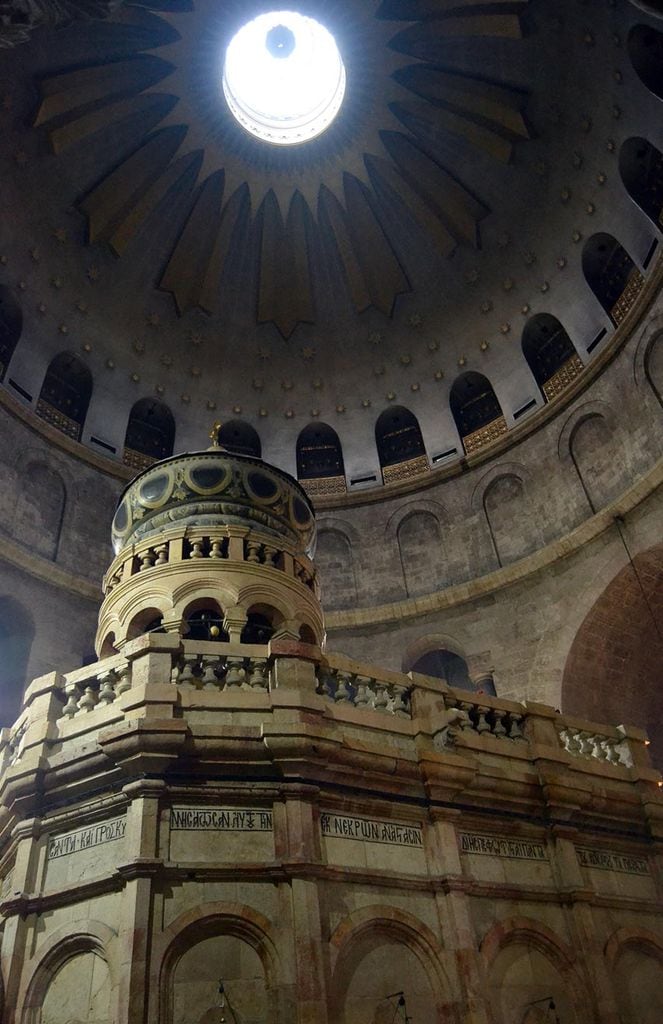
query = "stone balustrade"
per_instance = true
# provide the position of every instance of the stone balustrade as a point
(197, 543)
(485, 717)
(594, 745)
(220, 667)
(97, 684)
(363, 691)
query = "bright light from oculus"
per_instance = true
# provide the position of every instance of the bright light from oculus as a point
(283, 78)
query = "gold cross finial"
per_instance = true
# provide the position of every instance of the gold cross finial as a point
(214, 433)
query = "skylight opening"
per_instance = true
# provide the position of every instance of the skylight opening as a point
(283, 78)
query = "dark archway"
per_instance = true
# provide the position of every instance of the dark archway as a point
(445, 665)
(645, 47)
(65, 394)
(399, 440)
(240, 438)
(476, 410)
(150, 434)
(319, 452)
(17, 630)
(641, 168)
(11, 325)
(611, 274)
(550, 354)
(612, 672)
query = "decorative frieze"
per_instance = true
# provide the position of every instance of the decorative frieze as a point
(86, 838)
(220, 819)
(137, 460)
(484, 435)
(58, 419)
(564, 376)
(626, 300)
(607, 860)
(405, 470)
(501, 846)
(317, 487)
(370, 830)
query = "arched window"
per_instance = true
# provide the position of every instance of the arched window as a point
(400, 445)
(611, 274)
(477, 412)
(320, 460)
(645, 47)
(445, 665)
(150, 434)
(641, 168)
(17, 630)
(260, 625)
(11, 324)
(550, 354)
(205, 624)
(240, 438)
(65, 394)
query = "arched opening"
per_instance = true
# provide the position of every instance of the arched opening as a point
(320, 460)
(400, 444)
(240, 438)
(445, 665)
(550, 354)
(526, 987)
(261, 624)
(11, 325)
(645, 47)
(205, 623)
(17, 631)
(150, 620)
(40, 509)
(611, 274)
(592, 448)
(641, 168)
(79, 991)
(334, 559)
(476, 410)
(420, 548)
(637, 978)
(225, 959)
(306, 635)
(150, 434)
(65, 394)
(512, 521)
(612, 672)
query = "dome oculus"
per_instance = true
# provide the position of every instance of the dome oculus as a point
(283, 78)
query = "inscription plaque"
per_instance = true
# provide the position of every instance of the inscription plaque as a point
(85, 838)
(220, 819)
(605, 860)
(370, 830)
(497, 846)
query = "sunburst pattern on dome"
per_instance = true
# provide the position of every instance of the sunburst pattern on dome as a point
(410, 104)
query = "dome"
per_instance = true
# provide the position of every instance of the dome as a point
(209, 488)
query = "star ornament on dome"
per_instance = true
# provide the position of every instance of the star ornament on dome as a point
(385, 128)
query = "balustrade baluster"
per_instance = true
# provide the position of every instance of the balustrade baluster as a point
(235, 675)
(343, 680)
(468, 708)
(216, 551)
(123, 679)
(498, 722)
(209, 679)
(381, 696)
(270, 556)
(253, 551)
(161, 552)
(364, 694)
(258, 673)
(106, 681)
(515, 732)
(88, 701)
(147, 560)
(197, 548)
(72, 693)
(400, 707)
(482, 725)
(186, 679)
